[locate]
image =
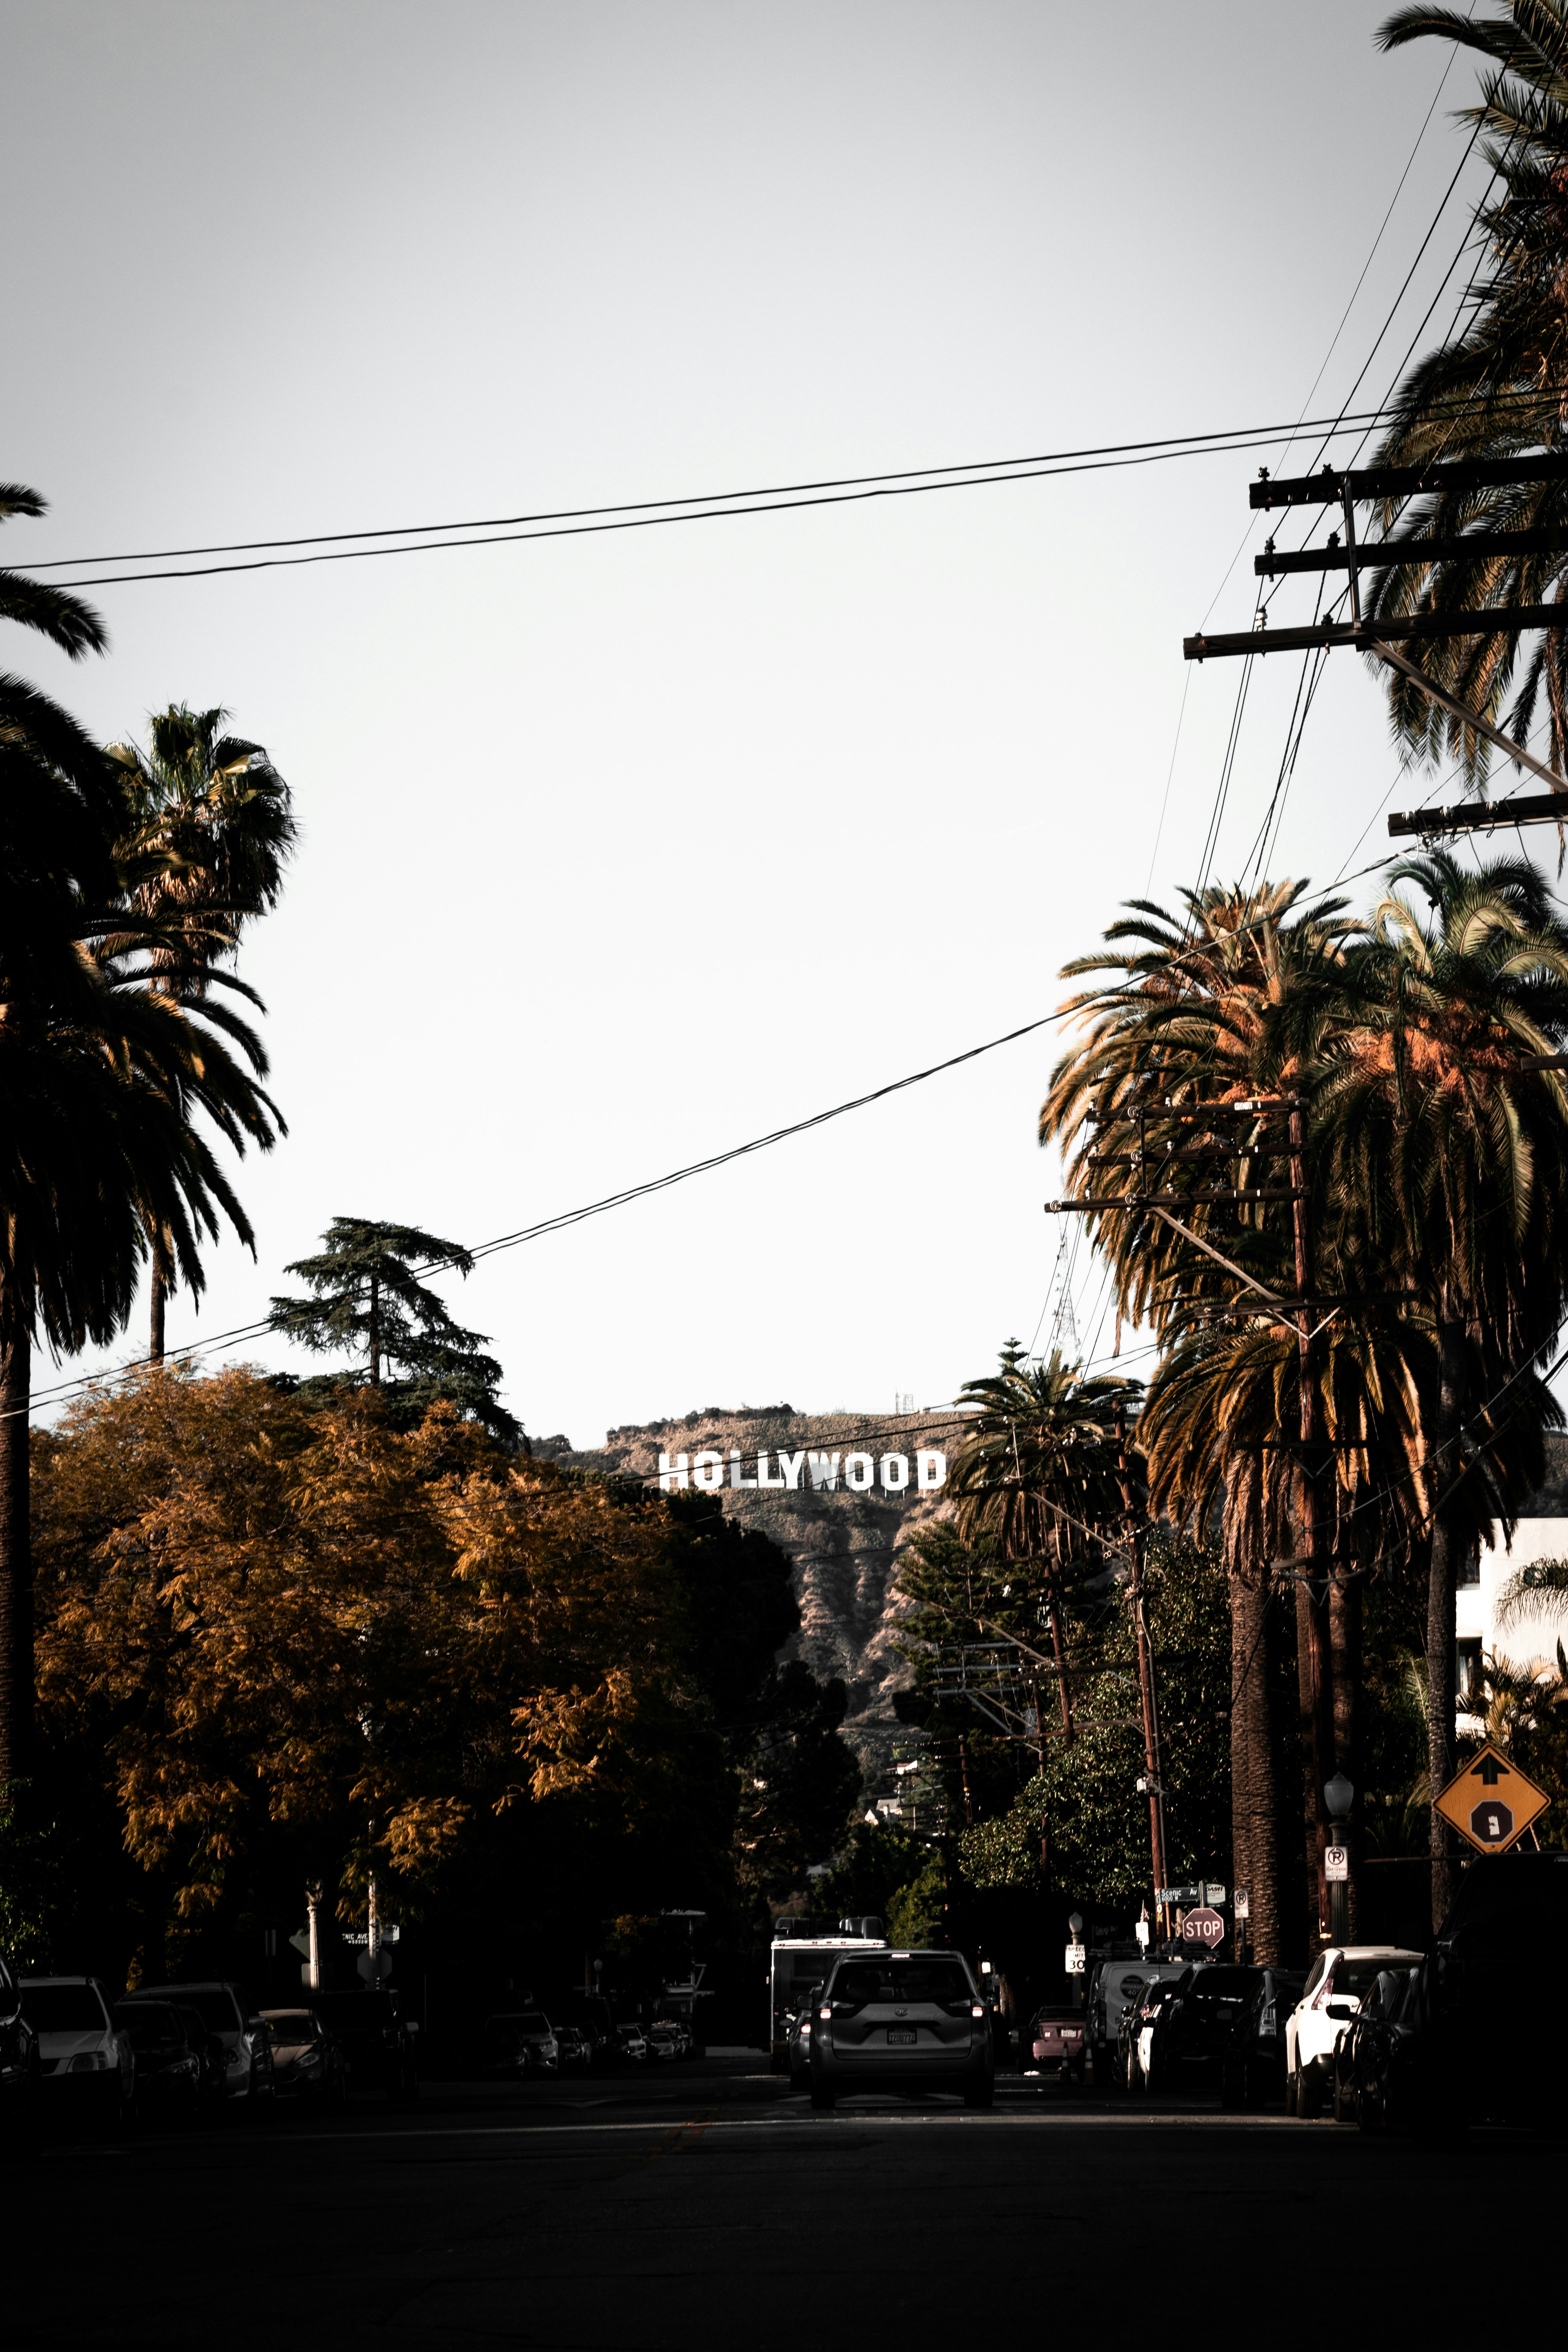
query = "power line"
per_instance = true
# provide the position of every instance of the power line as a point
(568, 1217)
(714, 507)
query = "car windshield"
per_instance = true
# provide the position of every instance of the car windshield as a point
(150, 2026)
(214, 2006)
(1222, 1984)
(1355, 1977)
(901, 1981)
(350, 2012)
(292, 2025)
(63, 2009)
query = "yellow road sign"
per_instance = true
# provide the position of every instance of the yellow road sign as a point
(1490, 1803)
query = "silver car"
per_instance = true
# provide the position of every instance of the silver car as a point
(81, 2045)
(901, 2022)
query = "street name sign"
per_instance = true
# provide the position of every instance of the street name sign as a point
(1178, 1894)
(1489, 1802)
(1202, 1926)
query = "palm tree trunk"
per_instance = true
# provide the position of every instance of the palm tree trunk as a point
(375, 1332)
(1309, 1672)
(1344, 1643)
(16, 1546)
(1442, 1580)
(160, 1292)
(1253, 1805)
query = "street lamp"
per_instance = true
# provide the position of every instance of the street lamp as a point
(1338, 1796)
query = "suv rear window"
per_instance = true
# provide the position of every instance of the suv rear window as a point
(63, 2009)
(900, 1980)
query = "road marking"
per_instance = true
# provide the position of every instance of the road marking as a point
(858, 2116)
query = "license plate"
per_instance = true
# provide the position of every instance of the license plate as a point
(901, 2033)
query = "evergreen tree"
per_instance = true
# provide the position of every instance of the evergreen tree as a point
(369, 1302)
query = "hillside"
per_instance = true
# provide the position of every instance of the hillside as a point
(843, 1543)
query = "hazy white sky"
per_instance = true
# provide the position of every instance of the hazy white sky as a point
(620, 850)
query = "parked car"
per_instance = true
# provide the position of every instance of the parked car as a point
(572, 2046)
(663, 2042)
(797, 2039)
(81, 2049)
(1330, 1997)
(18, 2058)
(1195, 2024)
(1482, 2045)
(179, 2072)
(1135, 2044)
(377, 2043)
(681, 2031)
(1252, 2062)
(227, 2015)
(504, 2054)
(1054, 2044)
(631, 2043)
(1116, 1986)
(308, 2062)
(1364, 2062)
(901, 2022)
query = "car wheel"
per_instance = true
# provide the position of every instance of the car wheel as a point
(822, 2099)
(1369, 2114)
(981, 2093)
(1292, 2084)
(1228, 2095)
(1309, 2092)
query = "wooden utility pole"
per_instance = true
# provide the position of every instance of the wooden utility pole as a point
(1145, 1661)
(1312, 1602)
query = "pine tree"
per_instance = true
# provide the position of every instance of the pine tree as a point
(369, 1302)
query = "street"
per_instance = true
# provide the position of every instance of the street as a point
(703, 2203)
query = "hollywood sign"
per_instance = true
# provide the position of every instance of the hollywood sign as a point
(712, 1470)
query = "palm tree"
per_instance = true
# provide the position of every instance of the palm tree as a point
(1497, 388)
(1451, 1157)
(212, 826)
(1192, 1011)
(99, 1082)
(1037, 1470)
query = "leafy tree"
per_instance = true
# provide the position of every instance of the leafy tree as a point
(803, 1778)
(210, 829)
(1084, 1800)
(369, 1298)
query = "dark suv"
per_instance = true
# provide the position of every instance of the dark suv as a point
(18, 2054)
(901, 2022)
(376, 2042)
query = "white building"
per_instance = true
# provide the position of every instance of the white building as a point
(1476, 1613)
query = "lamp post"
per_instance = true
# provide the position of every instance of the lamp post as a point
(1338, 1796)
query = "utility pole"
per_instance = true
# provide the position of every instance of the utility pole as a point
(373, 1937)
(1315, 1611)
(1145, 1662)
(313, 1916)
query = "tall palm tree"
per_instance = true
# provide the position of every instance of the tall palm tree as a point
(1037, 1469)
(212, 826)
(1497, 388)
(1190, 1011)
(1450, 1157)
(101, 1080)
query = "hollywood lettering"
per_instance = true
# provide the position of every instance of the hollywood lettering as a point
(805, 1470)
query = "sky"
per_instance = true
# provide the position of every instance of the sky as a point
(619, 850)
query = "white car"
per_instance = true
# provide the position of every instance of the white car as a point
(1335, 1985)
(79, 2044)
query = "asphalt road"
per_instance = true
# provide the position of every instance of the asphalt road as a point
(700, 2204)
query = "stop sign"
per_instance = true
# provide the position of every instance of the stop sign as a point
(1202, 1926)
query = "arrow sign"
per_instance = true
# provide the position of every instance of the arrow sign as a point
(1491, 1823)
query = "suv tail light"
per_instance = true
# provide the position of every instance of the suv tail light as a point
(826, 2015)
(977, 2009)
